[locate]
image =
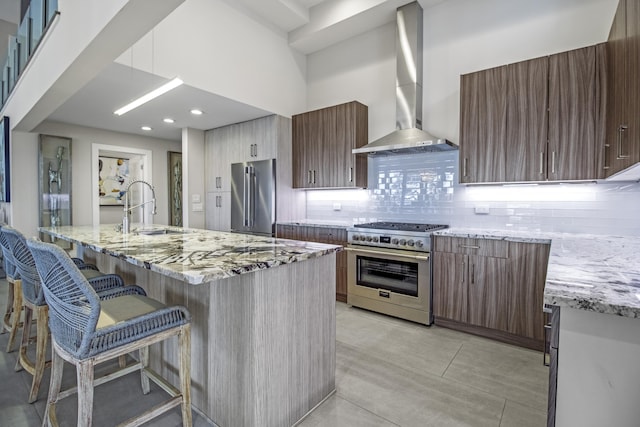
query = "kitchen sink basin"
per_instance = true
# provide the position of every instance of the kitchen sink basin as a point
(159, 231)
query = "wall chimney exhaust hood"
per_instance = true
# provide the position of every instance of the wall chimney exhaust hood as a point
(408, 136)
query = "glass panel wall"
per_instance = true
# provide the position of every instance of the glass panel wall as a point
(36, 21)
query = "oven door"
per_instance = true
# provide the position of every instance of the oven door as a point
(393, 282)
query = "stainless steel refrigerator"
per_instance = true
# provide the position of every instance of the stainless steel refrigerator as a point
(253, 197)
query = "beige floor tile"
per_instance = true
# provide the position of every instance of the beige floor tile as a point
(517, 415)
(338, 412)
(405, 344)
(410, 399)
(504, 370)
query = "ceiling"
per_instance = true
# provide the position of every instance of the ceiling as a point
(310, 24)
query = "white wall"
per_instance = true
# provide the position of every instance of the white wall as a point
(194, 172)
(214, 47)
(82, 138)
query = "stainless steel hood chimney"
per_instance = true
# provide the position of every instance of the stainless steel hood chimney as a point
(408, 136)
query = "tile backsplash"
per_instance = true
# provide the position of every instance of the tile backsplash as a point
(423, 188)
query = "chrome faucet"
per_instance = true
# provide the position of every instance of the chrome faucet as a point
(126, 226)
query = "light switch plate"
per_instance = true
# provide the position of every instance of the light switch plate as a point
(196, 207)
(195, 198)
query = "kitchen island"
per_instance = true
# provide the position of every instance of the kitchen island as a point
(263, 314)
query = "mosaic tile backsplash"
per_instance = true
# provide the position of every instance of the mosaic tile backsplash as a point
(423, 188)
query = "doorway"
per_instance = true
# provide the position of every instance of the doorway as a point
(131, 164)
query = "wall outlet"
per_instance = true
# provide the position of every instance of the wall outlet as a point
(337, 206)
(482, 209)
(197, 207)
(195, 198)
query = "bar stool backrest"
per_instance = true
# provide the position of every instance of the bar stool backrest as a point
(9, 262)
(25, 265)
(74, 306)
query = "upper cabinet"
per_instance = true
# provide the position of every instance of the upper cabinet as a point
(623, 104)
(535, 120)
(322, 144)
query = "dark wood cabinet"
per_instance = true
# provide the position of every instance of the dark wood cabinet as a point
(622, 143)
(527, 120)
(490, 287)
(527, 275)
(536, 120)
(330, 235)
(576, 114)
(322, 144)
(483, 126)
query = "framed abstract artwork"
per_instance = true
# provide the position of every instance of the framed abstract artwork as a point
(113, 177)
(5, 175)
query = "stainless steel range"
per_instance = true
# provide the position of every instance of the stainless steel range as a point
(389, 269)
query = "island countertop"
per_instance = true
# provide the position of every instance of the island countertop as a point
(597, 273)
(191, 255)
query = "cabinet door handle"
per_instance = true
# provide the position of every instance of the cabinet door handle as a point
(350, 174)
(621, 130)
(469, 246)
(309, 176)
(463, 269)
(464, 167)
(314, 176)
(473, 273)
(553, 162)
(541, 161)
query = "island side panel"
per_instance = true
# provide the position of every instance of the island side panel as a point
(278, 335)
(263, 343)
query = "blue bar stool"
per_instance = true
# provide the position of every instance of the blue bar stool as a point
(34, 305)
(86, 331)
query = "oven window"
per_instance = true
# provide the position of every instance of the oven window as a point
(396, 276)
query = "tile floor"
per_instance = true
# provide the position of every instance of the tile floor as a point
(389, 373)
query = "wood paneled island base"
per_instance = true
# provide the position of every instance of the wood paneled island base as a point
(263, 343)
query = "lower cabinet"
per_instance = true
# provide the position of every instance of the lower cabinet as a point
(490, 287)
(329, 235)
(218, 205)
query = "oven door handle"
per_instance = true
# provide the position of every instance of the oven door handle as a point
(381, 253)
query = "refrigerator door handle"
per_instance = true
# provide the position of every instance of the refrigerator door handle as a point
(249, 196)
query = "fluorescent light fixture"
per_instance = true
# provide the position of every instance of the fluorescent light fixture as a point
(168, 120)
(149, 96)
(147, 128)
(196, 112)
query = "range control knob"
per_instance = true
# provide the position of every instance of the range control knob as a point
(403, 242)
(355, 237)
(410, 242)
(375, 239)
(369, 238)
(419, 244)
(394, 241)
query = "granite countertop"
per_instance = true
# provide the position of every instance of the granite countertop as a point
(587, 272)
(192, 255)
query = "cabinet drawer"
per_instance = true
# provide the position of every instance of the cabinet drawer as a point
(464, 245)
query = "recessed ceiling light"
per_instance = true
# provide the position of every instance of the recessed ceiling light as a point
(196, 112)
(149, 96)
(168, 120)
(147, 128)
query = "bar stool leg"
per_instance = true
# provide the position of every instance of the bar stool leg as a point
(84, 374)
(26, 335)
(17, 311)
(42, 314)
(6, 324)
(57, 364)
(184, 348)
(143, 354)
